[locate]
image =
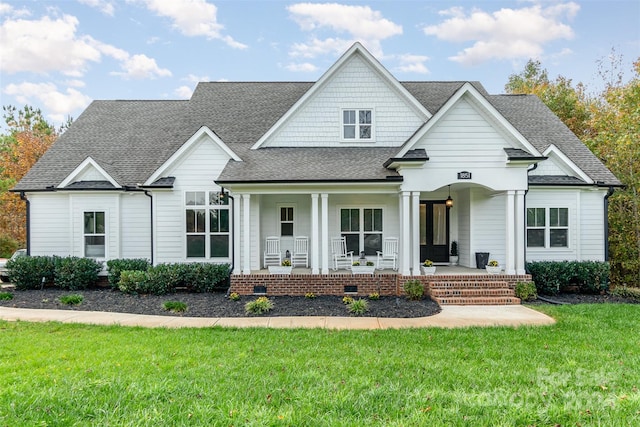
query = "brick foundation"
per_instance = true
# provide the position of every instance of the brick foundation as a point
(334, 284)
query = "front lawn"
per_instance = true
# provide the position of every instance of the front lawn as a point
(585, 370)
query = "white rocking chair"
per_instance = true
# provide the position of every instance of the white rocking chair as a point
(388, 257)
(272, 254)
(341, 258)
(300, 254)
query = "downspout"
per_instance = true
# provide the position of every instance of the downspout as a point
(146, 193)
(606, 222)
(28, 220)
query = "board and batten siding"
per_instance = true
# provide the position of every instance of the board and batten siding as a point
(586, 223)
(356, 86)
(50, 224)
(195, 170)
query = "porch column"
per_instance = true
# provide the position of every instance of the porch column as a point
(520, 232)
(237, 267)
(415, 232)
(315, 244)
(324, 218)
(246, 233)
(510, 248)
(405, 235)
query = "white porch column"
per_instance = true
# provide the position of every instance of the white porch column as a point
(415, 232)
(246, 233)
(520, 232)
(324, 218)
(315, 233)
(237, 267)
(405, 235)
(510, 248)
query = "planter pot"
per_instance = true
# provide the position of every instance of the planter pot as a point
(277, 269)
(493, 270)
(363, 269)
(453, 260)
(428, 270)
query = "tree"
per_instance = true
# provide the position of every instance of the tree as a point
(29, 136)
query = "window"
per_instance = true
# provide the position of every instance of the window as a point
(547, 227)
(362, 229)
(357, 124)
(286, 221)
(94, 235)
(207, 238)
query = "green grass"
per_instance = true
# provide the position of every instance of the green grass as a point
(175, 306)
(71, 299)
(6, 296)
(585, 370)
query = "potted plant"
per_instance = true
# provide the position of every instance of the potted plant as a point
(284, 267)
(358, 268)
(428, 267)
(453, 255)
(493, 267)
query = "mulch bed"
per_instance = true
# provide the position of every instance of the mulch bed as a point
(215, 304)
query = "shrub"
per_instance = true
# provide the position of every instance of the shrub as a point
(234, 296)
(73, 273)
(72, 299)
(358, 307)
(259, 306)
(6, 296)
(625, 292)
(117, 266)
(26, 272)
(133, 281)
(8, 246)
(414, 289)
(374, 296)
(203, 277)
(526, 291)
(175, 306)
(551, 277)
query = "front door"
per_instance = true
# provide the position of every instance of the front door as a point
(434, 231)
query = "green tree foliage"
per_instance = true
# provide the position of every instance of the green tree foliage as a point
(609, 124)
(26, 139)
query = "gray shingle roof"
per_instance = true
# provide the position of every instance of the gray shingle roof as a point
(554, 180)
(131, 139)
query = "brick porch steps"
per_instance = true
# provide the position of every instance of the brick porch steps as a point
(473, 293)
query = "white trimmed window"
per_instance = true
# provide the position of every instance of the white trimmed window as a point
(207, 220)
(357, 125)
(547, 227)
(94, 234)
(286, 220)
(362, 229)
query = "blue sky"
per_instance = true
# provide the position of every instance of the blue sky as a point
(60, 55)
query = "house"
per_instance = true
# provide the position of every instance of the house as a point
(355, 154)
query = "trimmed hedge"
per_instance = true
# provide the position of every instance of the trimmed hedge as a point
(26, 272)
(117, 266)
(550, 277)
(73, 273)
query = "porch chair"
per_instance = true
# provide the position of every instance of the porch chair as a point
(272, 254)
(341, 258)
(388, 257)
(300, 251)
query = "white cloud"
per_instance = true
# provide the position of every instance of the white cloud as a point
(75, 83)
(103, 6)
(304, 67)
(192, 78)
(361, 23)
(506, 33)
(57, 103)
(7, 9)
(413, 64)
(184, 92)
(141, 67)
(193, 18)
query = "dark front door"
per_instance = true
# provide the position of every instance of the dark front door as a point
(434, 231)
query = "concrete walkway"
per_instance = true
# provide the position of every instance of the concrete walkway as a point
(451, 316)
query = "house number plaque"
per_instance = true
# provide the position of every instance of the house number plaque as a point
(464, 175)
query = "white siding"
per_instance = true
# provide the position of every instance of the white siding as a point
(50, 224)
(592, 220)
(109, 203)
(355, 85)
(135, 226)
(463, 211)
(488, 213)
(89, 173)
(548, 167)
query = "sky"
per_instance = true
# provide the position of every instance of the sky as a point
(60, 55)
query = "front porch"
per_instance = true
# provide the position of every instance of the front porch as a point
(449, 285)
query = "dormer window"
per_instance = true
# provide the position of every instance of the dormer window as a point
(357, 125)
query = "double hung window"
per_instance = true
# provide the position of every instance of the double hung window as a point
(207, 225)
(547, 227)
(94, 235)
(362, 229)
